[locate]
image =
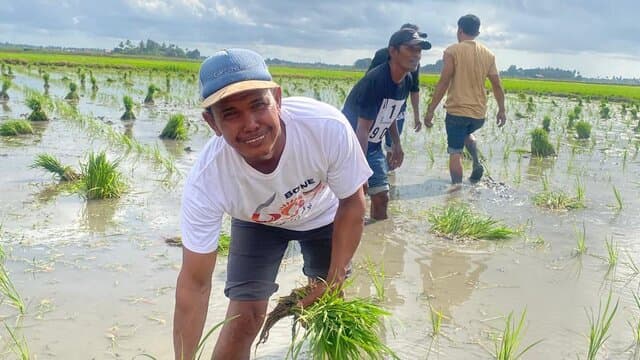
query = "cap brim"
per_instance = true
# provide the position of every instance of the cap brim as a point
(424, 44)
(235, 88)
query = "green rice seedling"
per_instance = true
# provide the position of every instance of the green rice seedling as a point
(520, 115)
(546, 123)
(634, 113)
(73, 93)
(176, 128)
(128, 108)
(580, 192)
(540, 145)
(83, 79)
(581, 241)
(605, 111)
(6, 84)
(618, 196)
(167, 83)
(573, 116)
(583, 129)
(37, 113)
(45, 78)
(8, 290)
(51, 164)
(94, 83)
(458, 221)
(436, 321)
(15, 127)
(339, 329)
(19, 346)
(151, 90)
(531, 108)
(509, 344)
(633, 267)
(612, 251)
(522, 97)
(635, 326)
(224, 240)
(376, 274)
(101, 179)
(557, 200)
(599, 327)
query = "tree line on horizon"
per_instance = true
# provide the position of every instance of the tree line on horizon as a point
(153, 48)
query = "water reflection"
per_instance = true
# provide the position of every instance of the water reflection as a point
(97, 215)
(449, 278)
(538, 167)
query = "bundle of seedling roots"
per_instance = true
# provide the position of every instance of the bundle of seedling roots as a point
(335, 328)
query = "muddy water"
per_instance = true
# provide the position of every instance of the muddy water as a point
(98, 279)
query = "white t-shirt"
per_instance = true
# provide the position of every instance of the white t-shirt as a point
(321, 163)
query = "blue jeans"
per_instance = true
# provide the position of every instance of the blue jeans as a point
(378, 182)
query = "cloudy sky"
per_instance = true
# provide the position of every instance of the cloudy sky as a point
(597, 38)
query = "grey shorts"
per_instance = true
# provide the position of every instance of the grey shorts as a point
(256, 251)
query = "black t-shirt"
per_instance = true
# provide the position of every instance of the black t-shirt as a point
(376, 97)
(382, 56)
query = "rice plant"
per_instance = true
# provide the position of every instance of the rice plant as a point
(15, 127)
(605, 111)
(37, 113)
(599, 327)
(557, 200)
(151, 90)
(436, 321)
(176, 128)
(128, 108)
(458, 221)
(618, 197)
(583, 129)
(635, 326)
(73, 93)
(101, 179)
(581, 241)
(573, 116)
(94, 83)
(612, 251)
(507, 348)
(6, 84)
(45, 78)
(540, 145)
(8, 291)
(51, 164)
(546, 123)
(19, 346)
(339, 329)
(376, 274)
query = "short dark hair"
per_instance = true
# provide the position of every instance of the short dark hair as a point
(470, 24)
(410, 26)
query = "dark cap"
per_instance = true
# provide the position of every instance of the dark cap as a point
(409, 37)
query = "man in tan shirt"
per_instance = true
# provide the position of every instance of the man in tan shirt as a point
(466, 66)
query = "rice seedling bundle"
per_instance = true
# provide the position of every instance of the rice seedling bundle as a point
(540, 145)
(175, 129)
(458, 221)
(583, 129)
(37, 113)
(15, 127)
(336, 328)
(101, 178)
(51, 164)
(150, 92)
(546, 123)
(6, 84)
(128, 108)
(73, 93)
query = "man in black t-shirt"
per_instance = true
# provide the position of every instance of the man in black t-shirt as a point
(382, 56)
(373, 105)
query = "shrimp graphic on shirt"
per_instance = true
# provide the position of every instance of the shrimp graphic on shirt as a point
(295, 205)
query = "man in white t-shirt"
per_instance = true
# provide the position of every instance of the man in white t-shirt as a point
(283, 169)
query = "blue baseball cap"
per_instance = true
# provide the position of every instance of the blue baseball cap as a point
(231, 71)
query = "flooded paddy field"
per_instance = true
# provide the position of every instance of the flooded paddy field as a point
(97, 278)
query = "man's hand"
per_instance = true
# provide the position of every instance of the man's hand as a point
(319, 287)
(428, 119)
(501, 118)
(417, 125)
(397, 156)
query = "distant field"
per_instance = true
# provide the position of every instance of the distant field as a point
(510, 85)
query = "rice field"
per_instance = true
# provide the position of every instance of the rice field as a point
(99, 269)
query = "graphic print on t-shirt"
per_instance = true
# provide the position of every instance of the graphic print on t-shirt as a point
(293, 204)
(389, 110)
